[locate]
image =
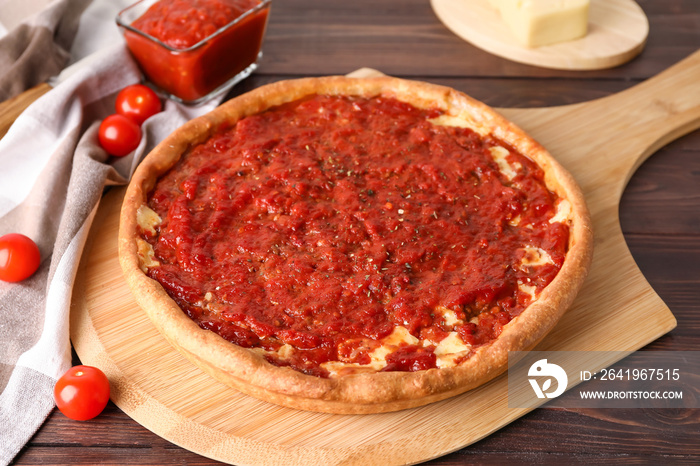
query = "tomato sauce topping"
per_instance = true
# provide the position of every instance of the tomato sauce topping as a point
(323, 224)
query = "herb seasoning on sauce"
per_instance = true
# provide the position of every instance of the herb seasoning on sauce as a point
(323, 224)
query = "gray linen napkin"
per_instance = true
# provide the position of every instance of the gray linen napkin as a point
(52, 177)
(37, 43)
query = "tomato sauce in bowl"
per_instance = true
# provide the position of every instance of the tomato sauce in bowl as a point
(194, 50)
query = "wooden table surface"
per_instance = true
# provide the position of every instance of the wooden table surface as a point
(659, 212)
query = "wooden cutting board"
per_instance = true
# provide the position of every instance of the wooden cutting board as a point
(601, 142)
(617, 32)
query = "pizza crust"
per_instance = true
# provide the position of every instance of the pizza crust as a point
(246, 369)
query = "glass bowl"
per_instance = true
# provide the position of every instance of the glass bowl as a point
(201, 71)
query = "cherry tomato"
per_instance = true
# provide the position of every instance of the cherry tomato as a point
(137, 102)
(19, 257)
(82, 392)
(119, 135)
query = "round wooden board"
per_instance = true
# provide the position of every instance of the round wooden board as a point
(617, 32)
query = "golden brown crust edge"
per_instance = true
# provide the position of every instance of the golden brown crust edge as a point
(247, 370)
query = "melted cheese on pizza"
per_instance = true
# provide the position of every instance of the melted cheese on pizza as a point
(563, 214)
(147, 219)
(500, 156)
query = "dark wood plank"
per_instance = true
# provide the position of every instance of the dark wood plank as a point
(545, 459)
(496, 92)
(406, 38)
(506, 92)
(663, 197)
(110, 438)
(659, 216)
(579, 432)
(671, 264)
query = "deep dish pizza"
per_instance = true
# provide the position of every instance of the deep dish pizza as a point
(353, 245)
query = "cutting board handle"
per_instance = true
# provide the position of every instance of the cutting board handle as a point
(639, 121)
(673, 102)
(610, 137)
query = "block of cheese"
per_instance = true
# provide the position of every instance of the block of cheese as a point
(535, 23)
